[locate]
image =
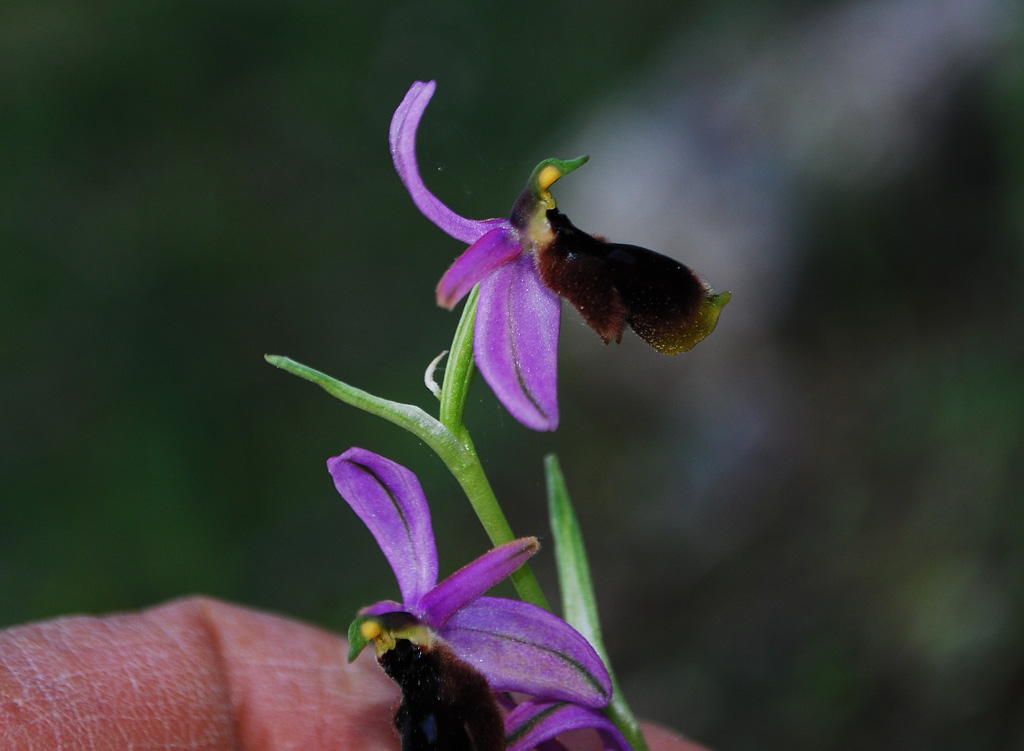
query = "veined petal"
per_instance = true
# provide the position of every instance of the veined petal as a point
(516, 342)
(404, 124)
(389, 500)
(520, 647)
(473, 579)
(534, 722)
(492, 250)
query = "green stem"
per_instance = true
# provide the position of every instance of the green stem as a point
(458, 373)
(458, 377)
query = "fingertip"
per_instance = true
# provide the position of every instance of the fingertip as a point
(192, 674)
(291, 685)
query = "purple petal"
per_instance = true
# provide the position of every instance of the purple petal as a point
(517, 342)
(380, 608)
(492, 250)
(403, 150)
(389, 500)
(534, 722)
(520, 647)
(473, 579)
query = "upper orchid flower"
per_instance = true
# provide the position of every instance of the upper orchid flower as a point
(448, 647)
(524, 262)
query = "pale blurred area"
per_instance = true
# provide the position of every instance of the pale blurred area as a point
(835, 484)
(808, 532)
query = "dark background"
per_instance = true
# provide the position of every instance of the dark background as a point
(808, 532)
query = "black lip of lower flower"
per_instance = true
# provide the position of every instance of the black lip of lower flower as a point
(446, 704)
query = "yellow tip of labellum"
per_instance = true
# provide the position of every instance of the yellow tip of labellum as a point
(685, 337)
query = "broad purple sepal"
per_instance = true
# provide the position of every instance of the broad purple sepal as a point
(389, 500)
(533, 723)
(516, 342)
(520, 647)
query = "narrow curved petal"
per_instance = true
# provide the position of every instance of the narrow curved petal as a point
(389, 500)
(404, 124)
(520, 647)
(473, 579)
(494, 249)
(534, 722)
(517, 342)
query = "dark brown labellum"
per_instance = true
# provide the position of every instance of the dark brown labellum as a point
(612, 285)
(446, 704)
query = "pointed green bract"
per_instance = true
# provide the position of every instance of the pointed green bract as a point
(579, 604)
(407, 416)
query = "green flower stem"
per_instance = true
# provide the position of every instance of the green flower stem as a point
(477, 488)
(454, 448)
(458, 377)
(458, 373)
(579, 604)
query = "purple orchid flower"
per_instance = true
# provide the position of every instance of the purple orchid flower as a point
(448, 647)
(524, 263)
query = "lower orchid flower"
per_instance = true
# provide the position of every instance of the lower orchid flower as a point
(524, 263)
(449, 647)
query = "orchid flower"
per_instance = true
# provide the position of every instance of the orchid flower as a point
(524, 263)
(448, 647)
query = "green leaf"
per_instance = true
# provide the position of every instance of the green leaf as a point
(407, 416)
(579, 605)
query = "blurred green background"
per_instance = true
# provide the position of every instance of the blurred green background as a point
(808, 532)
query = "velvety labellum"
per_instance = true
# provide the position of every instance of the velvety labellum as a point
(611, 285)
(446, 704)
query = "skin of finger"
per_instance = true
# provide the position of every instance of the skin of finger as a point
(663, 739)
(195, 675)
(199, 675)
